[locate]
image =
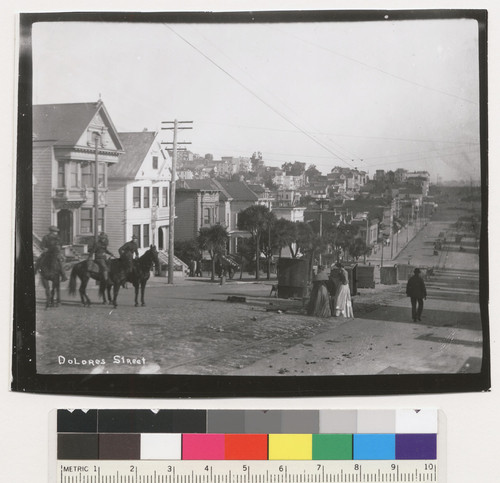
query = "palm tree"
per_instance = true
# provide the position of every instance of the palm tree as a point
(214, 240)
(284, 233)
(254, 219)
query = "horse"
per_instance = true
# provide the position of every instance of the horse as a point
(85, 271)
(120, 273)
(48, 266)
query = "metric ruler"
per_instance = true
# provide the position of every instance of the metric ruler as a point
(251, 446)
(247, 471)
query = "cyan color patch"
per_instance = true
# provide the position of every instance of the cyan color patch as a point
(374, 446)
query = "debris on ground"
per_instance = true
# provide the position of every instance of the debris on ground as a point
(237, 299)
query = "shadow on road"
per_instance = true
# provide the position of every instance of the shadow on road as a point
(430, 317)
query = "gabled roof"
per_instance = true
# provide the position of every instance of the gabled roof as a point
(64, 124)
(136, 146)
(239, 191)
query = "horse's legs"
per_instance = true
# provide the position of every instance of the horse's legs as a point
(57, 292)
(116, 289)
(83, 292)
(136, 288)
(143, 289)
(46, 286)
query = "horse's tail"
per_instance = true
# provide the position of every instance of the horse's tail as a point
(72, 280)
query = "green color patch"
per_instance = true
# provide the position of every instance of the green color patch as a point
(332, 447)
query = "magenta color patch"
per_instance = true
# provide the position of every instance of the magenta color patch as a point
(203, 446)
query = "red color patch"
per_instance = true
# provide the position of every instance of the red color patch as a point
(246, 447)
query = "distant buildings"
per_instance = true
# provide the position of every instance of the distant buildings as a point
(134, 181)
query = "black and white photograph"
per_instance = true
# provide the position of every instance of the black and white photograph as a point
(279, 200)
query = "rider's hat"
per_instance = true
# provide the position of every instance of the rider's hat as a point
(134, 237)
(54, 229)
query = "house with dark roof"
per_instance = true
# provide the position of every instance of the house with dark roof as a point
(197, 205)
(67, 140)
(139, 193)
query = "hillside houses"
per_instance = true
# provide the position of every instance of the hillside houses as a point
(134, 180)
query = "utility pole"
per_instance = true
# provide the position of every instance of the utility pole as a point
(97, 138)
(174, 128)
(321, 202)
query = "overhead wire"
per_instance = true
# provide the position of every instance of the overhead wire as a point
(266, 103)
(378, 69)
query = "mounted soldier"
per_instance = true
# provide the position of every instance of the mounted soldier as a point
(127, 252)
(51, 243)
(100, 250)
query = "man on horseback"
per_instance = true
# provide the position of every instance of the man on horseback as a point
(100, 250)
(52, 244)
(127, 252)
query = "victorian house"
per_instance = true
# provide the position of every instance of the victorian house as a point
(139, 193)
(68, 141)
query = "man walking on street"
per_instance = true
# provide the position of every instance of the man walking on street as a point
(415, 289)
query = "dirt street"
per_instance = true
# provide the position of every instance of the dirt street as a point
(191, 328)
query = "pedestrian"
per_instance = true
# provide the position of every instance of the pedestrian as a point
(192, 268)
(319, 303)
(342, 301)
(415, 289)
(100, 250)
(199, 272)
(51, 243)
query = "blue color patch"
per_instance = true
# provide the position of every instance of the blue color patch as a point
(374, 446)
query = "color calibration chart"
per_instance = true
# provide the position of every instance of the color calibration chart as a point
(247, 446)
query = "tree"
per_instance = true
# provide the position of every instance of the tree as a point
(268, 245)
(358, 248)
(187, 250)
(213, 239)
(309, 243)
(341, 237)
(312, 172)
(246, 252)
(254, 219)
(283, 234)
(294, 169)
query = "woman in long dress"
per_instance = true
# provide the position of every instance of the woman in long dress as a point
(319, 304)
(342, 301)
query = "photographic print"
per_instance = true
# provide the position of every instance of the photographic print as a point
(280, 203)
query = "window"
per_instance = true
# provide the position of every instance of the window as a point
(88, 175)
(155, 162)
(73, 175)
(145, 234)
(102, 175)
(61, 182)
(146, 197)
(156, 195)
(137, 197)
(136, 230)
(164, 196)
(206, 216)
(86, 220)
(100, 219)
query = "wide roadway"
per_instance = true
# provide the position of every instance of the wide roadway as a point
(191, 328)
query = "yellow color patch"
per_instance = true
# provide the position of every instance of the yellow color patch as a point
(290, 446)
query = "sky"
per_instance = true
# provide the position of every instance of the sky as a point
(372, 95)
